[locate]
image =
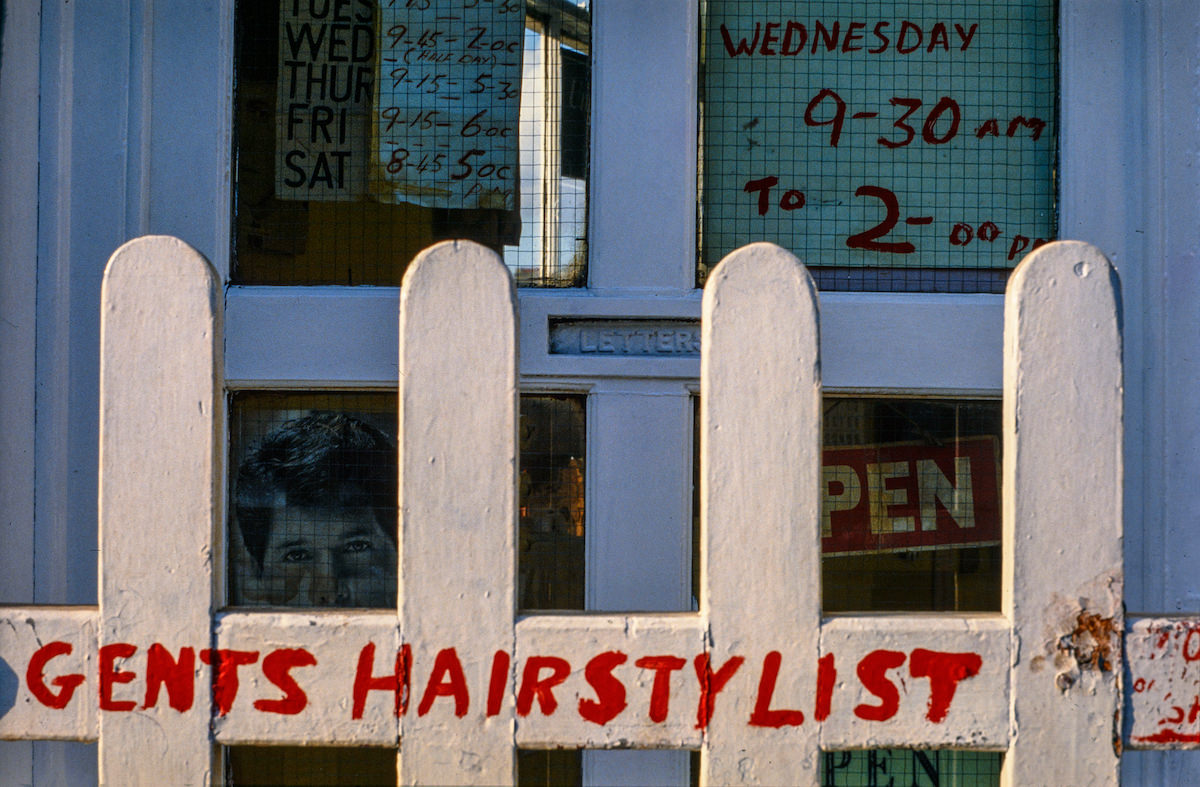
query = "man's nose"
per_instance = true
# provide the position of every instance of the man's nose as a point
(323, 589)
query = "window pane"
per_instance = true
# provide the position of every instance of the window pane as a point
(313, 500)
(549, 767)
(934, 768)
(366, 132)
(890, 145)
(312, 514)
(550, 557)
(315, 766)
(910, 510)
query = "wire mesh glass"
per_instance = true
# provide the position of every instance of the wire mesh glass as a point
(550, 556)
(891, 145)
(313, 504)
(911, 768)
(366, 131)
(910, 505)
(312, 495)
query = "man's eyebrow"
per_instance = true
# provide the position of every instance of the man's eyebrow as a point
(298, 542)
(359, 530)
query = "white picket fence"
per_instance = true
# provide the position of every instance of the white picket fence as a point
(756, 679)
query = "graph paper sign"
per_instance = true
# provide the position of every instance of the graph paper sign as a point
(449, 103)
(880, 134)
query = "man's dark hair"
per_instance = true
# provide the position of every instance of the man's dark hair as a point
(324, 460)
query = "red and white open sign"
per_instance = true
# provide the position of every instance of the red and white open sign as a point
(910, 496)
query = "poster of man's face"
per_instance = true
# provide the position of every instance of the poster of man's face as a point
(314, 501)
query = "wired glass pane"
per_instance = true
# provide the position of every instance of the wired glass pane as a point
(891, 145)
(367, 131)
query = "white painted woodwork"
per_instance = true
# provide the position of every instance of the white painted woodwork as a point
(1062, 516)
(336, 639)
(161, 437)
(458, 500)
(760, 460)
(1034, 696)
(337, 337)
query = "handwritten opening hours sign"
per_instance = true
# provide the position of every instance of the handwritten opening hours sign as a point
(891, 134)
(449, 103)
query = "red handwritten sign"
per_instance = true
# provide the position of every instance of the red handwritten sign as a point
(905, 497)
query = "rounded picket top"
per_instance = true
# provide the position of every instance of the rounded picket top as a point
(763, 268)
(154, 261)
(1077, 266)
(469, 268)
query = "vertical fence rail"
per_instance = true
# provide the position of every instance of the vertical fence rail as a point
(760, 425)
(161, 411)
(1062, 513)
(458, 508)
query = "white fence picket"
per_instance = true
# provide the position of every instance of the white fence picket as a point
(458, 505)
(760, 464)
(1062, 511)
(161, 406)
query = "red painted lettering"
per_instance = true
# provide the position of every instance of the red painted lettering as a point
(768, 39)
(532, 685)
(610, 692)
(711, 685)
(741, 48)
(179, 676)
(225, 682)
(446, 679)
(35, 676)
(660, 693)
(109, 675)
(906, 28)
(826, 678)
(498, 682)
(944, 671)
(763, 187)
(397, 682)
(762, 715)
(793, 28)
(851, 37)
(872, 672)
(277, 668)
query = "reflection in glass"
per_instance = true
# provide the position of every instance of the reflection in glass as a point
(550, 556)
(910, 505)
(305, 766)
(320, 92)
(314, 500)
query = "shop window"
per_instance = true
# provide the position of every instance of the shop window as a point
(365, 132)
(310, 766)
(549, 767)
(550, 550)
(892, 146)
(910, 767)
(910, 505)
(313, 500)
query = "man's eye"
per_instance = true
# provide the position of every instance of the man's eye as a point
(297, 556)
(358, 545)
